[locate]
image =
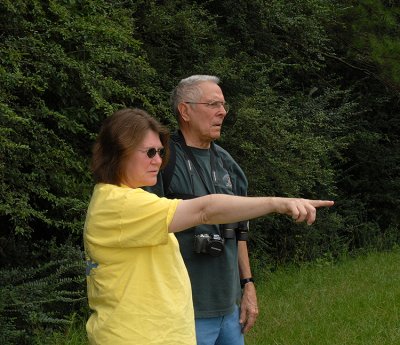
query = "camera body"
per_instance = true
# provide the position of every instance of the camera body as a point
(211, 244)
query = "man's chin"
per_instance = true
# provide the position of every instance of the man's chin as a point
(216, 134)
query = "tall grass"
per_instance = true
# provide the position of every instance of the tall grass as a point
(354, 302)
(75, 334)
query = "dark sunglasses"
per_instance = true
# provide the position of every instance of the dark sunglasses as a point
(151, 152)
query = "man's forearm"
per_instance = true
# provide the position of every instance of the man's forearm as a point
(243, 260)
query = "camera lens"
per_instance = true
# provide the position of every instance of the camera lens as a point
(215, 247)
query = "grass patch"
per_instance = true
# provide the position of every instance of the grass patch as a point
(353, 302)
(75, 334)
(356, 301)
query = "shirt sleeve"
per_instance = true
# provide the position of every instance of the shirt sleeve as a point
(126, 217)
(145, 219)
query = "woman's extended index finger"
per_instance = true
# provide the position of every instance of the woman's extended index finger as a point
(322, 203)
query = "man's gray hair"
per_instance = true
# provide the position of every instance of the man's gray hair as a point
(187, 90)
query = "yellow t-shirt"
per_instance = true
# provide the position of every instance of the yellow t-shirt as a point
(138, 286)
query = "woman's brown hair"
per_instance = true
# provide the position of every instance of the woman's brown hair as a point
(120, 134)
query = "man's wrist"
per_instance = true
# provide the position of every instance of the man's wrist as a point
(244, 281)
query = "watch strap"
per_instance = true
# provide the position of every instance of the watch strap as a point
(244, 281)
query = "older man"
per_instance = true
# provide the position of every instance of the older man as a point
(216, 256)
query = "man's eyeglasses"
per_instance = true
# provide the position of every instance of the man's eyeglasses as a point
(151, 152)
(213, 104)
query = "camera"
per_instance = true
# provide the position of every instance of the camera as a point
(211, 244)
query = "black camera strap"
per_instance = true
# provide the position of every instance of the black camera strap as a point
(178, 138)
(199, 170)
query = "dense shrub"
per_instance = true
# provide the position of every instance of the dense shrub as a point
(314, 94)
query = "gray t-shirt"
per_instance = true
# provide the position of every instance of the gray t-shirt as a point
(215, 280)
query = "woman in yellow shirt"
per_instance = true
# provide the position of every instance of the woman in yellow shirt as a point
(138, 286)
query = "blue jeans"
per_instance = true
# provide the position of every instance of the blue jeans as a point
(223, 330)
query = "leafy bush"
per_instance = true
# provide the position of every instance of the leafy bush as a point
(42, 297)
(67, 65)
(315, 106)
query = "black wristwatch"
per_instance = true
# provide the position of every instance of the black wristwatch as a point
(244, 281)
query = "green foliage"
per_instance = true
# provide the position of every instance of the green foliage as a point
(73, 334)
(313, 86)
(41, 297)
(375, 38)
(366, 57)
(65, 66)
(290, 150)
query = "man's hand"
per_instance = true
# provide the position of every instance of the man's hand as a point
(248, 307)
